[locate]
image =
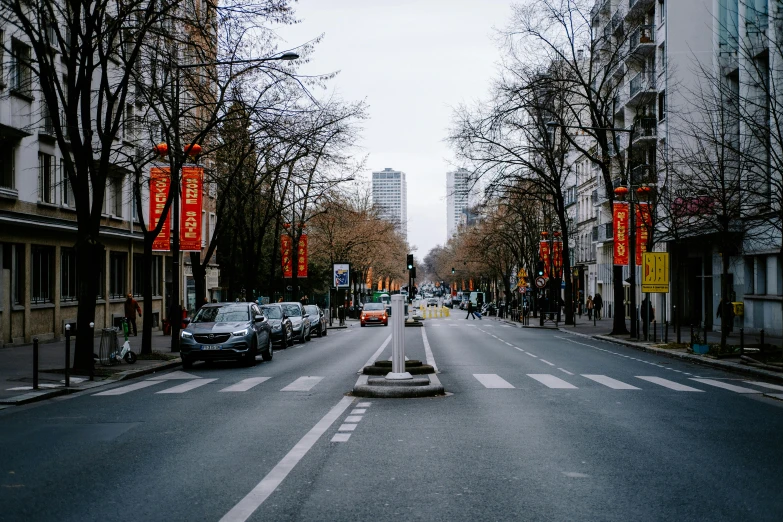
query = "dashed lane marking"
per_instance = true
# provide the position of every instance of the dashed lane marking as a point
(725, 385)
(302, 384)
(245, 384)
(186, 387)
(550, 381)
(668, 384)
(131, 387)
(492, 380)
(609, 382)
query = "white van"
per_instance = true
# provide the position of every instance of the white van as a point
(476, 298)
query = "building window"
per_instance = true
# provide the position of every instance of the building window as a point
(41, 276)
(118, 274)
(761, 275)
(662, 106)
(156, 275)
(116, 196)
(67, 274)
(130, 122)
(212, 223)
(21, 76)
(7, 158)
(65, 187)
(2, 58)
(100, 274)
(13, 258)
(46, 177)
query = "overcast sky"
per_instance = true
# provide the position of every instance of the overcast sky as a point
(412, 61)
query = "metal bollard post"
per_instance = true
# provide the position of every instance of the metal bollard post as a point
(705, 333)
(666, 332)
(35, 363)
(742, 341)
(92, 364)
(655, 331)
(691, 336)
(761, 333)
(398, 341)
(67, 355)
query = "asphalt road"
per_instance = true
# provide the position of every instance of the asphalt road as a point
(523, 435)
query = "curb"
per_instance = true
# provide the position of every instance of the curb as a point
(757, 372)
(35, 396)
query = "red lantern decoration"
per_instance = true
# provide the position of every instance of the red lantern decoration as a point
(557, 234)
(643, 191)
(544, 233)
(193, 149)
(161, 149)
(286, 225)
(621, 191)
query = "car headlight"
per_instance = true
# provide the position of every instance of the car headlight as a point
(186, 335)
(240, 333)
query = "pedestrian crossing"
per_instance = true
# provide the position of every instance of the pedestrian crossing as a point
(494, 381)
(300, 384)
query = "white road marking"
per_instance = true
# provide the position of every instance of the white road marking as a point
(187, 386)
(725, 386)
(508, 343)
(303, 384)
(491, 380)
(174, 375)
(245, 508)
(353, 418)
(341, 437)
(520, 349)
(531, 355)
(550, 381)
(547, 362)
(766, 385)
(129, 388)
(347, 427)
(364, 405)
(372, 359)
(358, 411)
(565, 371)
(611, 383)
(428, 350)
(245, 384)
(668, 384)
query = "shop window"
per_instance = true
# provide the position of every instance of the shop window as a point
(41, 276)
(13, 259)
(100, 274)
(68, 275)
(138, 274)
(118, 274)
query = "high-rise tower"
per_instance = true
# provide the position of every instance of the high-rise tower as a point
(390, 194)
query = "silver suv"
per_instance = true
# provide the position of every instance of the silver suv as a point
(299, 320)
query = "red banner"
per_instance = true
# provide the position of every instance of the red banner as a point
(190, 232)
(160, 179)
(643, 227)
(557, 258)
(301, 268)
(285, 255)
(543, 253)
(471, 285)
(620, 227)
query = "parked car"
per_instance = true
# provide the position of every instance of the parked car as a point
(374, 313)
(317, 319)
(299, 321)
(432, 301)
(237, 331)
(282, 329)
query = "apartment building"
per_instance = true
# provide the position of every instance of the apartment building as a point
(461, 196)
(390, 195)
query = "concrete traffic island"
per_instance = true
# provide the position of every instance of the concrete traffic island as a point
(398, 382)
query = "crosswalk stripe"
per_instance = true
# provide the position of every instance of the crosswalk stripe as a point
(766, 385)
(129, 388)
(492, 380)
(725, 386)
(303, 384)
(245, 384)
(187, 386)
(550, 381)
(611, 383)
(668, 384)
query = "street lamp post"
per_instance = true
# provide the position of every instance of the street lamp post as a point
(175, 315)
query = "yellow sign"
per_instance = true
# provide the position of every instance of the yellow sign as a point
(521, 278)
(655, 272)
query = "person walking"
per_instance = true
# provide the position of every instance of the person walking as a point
(131, 309)
(590, 305)
(726, 312)
(470, 310)
(647, 313)
(598, 305)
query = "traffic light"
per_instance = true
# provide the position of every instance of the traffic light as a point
(540, 267)
(413, 272)
(452, 269)
(410, 261)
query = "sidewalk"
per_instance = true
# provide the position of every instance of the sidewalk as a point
(16, 369)
(602, 329)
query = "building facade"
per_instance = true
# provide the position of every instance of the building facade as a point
(390, 195)
(461, 196)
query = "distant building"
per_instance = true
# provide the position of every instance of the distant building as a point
(461, 194)
(390, 194)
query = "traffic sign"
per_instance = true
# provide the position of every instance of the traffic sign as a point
(540, 282)
(655, 272)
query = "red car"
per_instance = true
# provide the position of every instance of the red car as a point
(374, 313)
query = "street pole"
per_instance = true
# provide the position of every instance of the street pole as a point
(176, 310)
(632, 236)
(398, 340)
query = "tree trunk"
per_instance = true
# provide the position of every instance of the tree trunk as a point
(725, 319)
(146, 292)
(618, 322)
(89, 255)
(570, 317)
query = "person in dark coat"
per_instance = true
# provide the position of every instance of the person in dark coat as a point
(471, 310)
(598, 305)
(131, 309)
(647, 313)
(726, 313)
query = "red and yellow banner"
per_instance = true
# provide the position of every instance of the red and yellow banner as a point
(190, 232)
(471, 285)
(620, 226)
(543, 253)
(285, 255)
(557, 258)
(643, 227)
(160, 179)
(301, 257)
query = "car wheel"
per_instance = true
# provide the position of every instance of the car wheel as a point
(309, 334)
(187, 362)
(303, 337)
(320, 333)
(289, 339)
(325, 331)
(269, 352)
(250, 358)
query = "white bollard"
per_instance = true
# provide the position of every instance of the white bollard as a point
(398, 340)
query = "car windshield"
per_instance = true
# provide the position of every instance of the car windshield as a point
(272, 312)
(222, 314)
(292, 310)
(311, 309)
(373, 306)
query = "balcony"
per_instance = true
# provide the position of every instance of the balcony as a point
(618, 22)
(642, 88)
(46, 126)
(638, 8)
(646, 129)
(642, 41)
(605, 232)
(643, 175)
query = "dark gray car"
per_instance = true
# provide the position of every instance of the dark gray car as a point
(317, 319)
(236, 331)
(299, 322)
